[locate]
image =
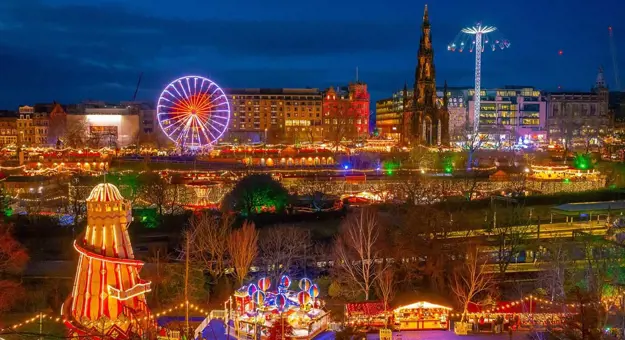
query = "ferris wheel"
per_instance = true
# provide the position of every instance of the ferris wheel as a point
(193, 112)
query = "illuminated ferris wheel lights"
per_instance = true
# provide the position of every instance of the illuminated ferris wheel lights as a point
(191, 111)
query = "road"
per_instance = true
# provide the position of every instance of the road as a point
(216, 331)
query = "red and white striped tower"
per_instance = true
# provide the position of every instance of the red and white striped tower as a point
(108, 298)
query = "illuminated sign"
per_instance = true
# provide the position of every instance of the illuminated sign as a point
(104, 119)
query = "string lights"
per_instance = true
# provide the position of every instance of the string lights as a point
(60, 319)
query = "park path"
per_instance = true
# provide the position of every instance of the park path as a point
(448, 335)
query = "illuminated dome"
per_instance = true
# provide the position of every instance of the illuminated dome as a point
(105, 192)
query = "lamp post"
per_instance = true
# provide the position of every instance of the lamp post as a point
(228, 316)
(40, 325)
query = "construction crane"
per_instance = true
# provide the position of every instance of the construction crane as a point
(137, 88)
(614, 61)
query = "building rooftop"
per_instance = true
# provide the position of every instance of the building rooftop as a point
(38, 178)
(517, 87)
(273, 91)
(8, 114)
(571, 93)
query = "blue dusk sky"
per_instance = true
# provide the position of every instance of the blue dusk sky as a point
(72, 50)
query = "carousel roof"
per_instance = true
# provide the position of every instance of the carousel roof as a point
(105, 192)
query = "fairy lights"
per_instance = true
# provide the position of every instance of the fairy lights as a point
(60, 319)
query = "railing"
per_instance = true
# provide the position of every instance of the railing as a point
(171, 335)
(218, 314)
(214, 314)
(335, 326)
(137, 289)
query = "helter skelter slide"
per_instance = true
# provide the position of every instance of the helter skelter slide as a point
(108, 298)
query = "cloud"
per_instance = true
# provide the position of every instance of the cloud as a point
(85, 45)
(73, 26)
(68, 51)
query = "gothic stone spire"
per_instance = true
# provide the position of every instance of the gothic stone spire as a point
(600, 83)
(425, 82)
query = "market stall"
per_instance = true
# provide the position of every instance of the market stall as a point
(258, 309)
(367, 314)
(524, 314)
(421, 315)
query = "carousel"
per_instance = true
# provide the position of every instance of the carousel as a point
(258, 308)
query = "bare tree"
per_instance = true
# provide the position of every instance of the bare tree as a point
(569, 125)
(601, 264)
(243, 248)
(311, 134)
(518, 183)
(358, 251)
(421, 237)
(416, 189)
(510, 234)
(339, 124)
(471, 280)
(470, 184)
(421, 157)
(76, 134)
(310, 187)
(282, 248)
(159, 258)
(176, 196)
(385, 284)
(592, 131)
(209, 242)
(555, 275)
(472, 144)
(77, 204)
(154, 191)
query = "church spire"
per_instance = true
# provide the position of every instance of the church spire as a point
(425, 74)
(600, 83)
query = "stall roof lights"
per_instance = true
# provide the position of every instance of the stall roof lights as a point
(421, 304)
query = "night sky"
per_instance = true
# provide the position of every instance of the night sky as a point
(67, 51)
